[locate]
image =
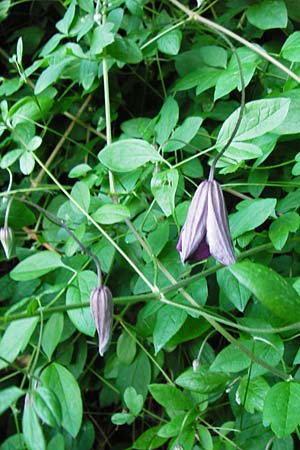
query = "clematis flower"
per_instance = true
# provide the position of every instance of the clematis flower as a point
(102, 311)
(206, 229)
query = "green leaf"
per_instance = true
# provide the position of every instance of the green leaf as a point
(163, 186)
(149, 439)
(169, 321)
(236, 293)
(10, 157)
(122, 418)
(27, 163)
(258, 178)
(271, 289)
(79, 171)
(282, 226)
(232, 359)
(36, 266)
(260, 117)
(174, 426)
(52, 333)
(125, 50)
(126, 348)
(202, 381)
(57, 442)
(157, 240)
(137, 375)
(281, 409)
(134, 401)
(51, 74)
(32, 431)
(81, 194)
(230, 78)
(268, 14)
(168, 118)
(79, 292)
(291, 201)
(9, 396)
(71, 246)
(64, 24)
(47, 406)
(170, 397)
(128, 154)
(102, 37)
(252, 393)
(170, 42)
(204, 78)
(252, 214)
(4, 9)
(15, 339)
(291, 47)
(34, 143)
(183, 134)
(27, 108)
(111, 213)
(59, 380)
(205, 438)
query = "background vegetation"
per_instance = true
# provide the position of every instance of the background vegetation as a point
(110, 117)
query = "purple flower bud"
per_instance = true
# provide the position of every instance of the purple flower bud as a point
(206, 229)
(102, 311)
(7, 240)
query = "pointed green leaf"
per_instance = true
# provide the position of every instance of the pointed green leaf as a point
(59, 380)
(163, 186)
(111, 213)
(8, 396)
(281, 408)
(251, 214)
(270, 288)
(128, 154)
(79, 292)
(32, 431)
(169, 320)
(36, 266)
(202, 380)
(15, 339)
(268, 14)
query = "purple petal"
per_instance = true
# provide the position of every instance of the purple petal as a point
(202, 252)
(194, 229)
(218, 235)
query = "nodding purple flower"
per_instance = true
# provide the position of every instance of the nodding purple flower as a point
(102, 311)
(206, 229)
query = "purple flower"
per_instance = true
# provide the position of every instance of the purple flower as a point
(102, 311)
(206, 230)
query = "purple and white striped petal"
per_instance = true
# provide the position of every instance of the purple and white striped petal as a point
(102, 311)
(218, 234)
(194, 229)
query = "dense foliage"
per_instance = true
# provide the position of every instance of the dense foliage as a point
(111, 115)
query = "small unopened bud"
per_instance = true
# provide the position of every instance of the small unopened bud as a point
(102, 311)
(196, 365)
(7, 240)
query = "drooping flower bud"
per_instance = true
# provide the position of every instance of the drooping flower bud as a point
(206, 229)
(102, 311)
(7, 240)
